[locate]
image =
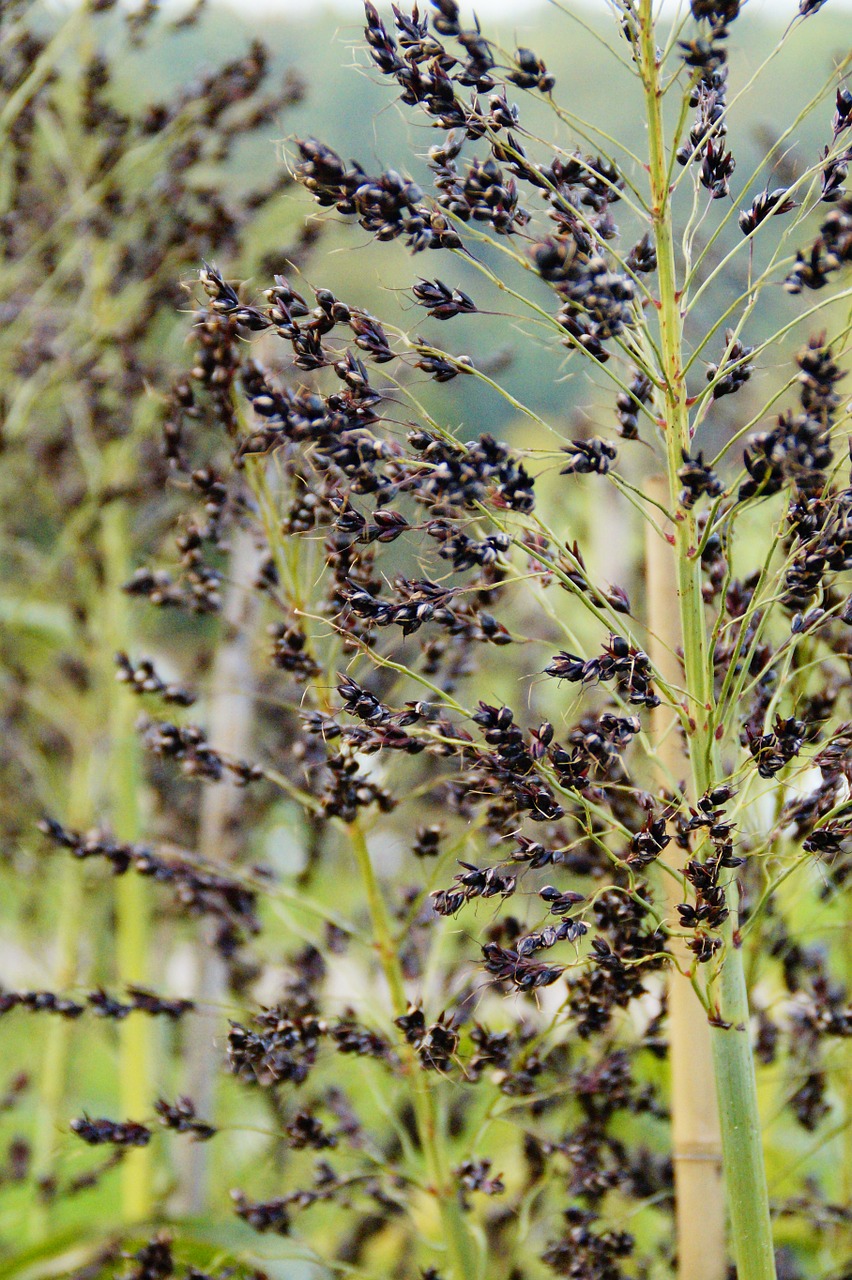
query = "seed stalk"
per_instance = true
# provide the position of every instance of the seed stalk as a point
(745, 1177)
(462, 1253)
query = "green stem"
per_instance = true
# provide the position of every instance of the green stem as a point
(461, 1249)
(53, 1080)
(745, 1175)
(133, 910)
(67, 892)
(745, 1172)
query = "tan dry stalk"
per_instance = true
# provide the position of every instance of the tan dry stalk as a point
(696, 1136)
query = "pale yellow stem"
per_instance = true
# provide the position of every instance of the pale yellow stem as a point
(132, 899)
(230, 722)
(696, 1136)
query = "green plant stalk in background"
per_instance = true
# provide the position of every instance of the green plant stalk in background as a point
(745, 1175)
(230, 716)
(132, 904)
(53, 1079)
(461, 1247)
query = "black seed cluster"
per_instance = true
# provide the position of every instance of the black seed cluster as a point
(620, 662)
(97, 1133)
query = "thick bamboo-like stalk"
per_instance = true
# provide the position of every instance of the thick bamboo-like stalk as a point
(230, 719)
(696, 1136)
(745, 1175)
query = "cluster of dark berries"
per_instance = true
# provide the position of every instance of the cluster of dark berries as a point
(620, 662)
(427, 842)
(475, 1175)
(831, 250)
(767, 204)
(189, 745)
(598, 303)
(199, 592)
(647, 845)
(772, 751)
(697, 480)
(387, 205)
(482, 194)
(304, 1130)
(508, 966)
(595, 746)
(142, 677)
(263, 1215)
(197, 891)
(708, 911)
(706, 144)
(347, 789)
(799, 448)
(451, 475)
(625, 948)
(473, 882)
(734, 370)
(104, 1005)
(588, 457)
(282, 1048)
(420, 602)
(707, 55)
(125, 1133)
(642, 258)
(180, 1116)
(275, 1215)
(442, 302)
(283, 1045)
(628, 404)
(835, 165)
(566, 931)
(289, 651)
(436, 1043)
(40, 1002)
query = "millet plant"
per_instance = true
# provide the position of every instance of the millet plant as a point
(550, 829)
(109, 194)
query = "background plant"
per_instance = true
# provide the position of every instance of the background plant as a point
(107, 200)
(513, 1117)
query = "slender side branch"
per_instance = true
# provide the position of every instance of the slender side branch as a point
(461, 1249)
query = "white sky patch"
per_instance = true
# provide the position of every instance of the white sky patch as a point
(781, 10)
